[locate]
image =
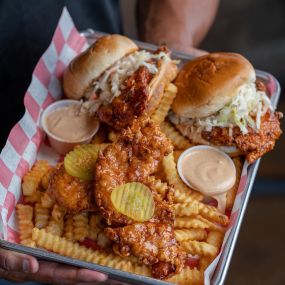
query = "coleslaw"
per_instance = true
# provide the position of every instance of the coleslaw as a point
(245, 110)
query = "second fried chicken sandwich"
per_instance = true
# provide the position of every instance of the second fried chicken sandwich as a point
(118, 80)
(220, 102)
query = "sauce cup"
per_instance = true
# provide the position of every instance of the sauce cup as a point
(197, 147)
(60, 145)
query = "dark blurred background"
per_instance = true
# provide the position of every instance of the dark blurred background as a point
(256, 29)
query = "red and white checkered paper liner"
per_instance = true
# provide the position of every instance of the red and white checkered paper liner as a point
(26, 142)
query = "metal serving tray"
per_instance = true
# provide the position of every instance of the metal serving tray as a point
(220, 273)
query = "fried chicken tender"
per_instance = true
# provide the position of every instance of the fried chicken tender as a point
(70, 193)
(163, 205)
(257, 144)
(130, 104)
(253, 144)
(132, 158)
(153, 243)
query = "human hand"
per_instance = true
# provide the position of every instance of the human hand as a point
(180, 25)
(195, 52)
(20, 268)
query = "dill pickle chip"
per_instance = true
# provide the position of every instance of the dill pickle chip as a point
(80, 162)
(134, 200)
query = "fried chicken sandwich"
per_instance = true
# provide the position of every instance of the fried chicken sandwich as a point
(119, 81)
(219, 102)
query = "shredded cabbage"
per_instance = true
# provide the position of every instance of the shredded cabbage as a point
(110, 83)
(245, 109)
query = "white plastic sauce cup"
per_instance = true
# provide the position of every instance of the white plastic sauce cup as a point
(58, 144)
(192, 148)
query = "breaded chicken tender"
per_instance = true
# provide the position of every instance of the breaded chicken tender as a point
(70, 193)
(130, 104)
(132, 158)
(153, 243)
(253, 144)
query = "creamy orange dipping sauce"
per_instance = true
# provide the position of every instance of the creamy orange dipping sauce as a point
(210, 172)
(71, 123)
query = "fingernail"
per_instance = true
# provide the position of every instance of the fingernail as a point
(102, 277)
(26, 266)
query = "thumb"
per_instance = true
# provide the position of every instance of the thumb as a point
(13, 261)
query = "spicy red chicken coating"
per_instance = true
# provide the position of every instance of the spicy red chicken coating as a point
(70, 193)
(153, 243)
(130, 104)
(132, 158)
(253, 144)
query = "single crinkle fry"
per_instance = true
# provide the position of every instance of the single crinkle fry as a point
(94, 226)
(42, 215)
(96, 231)
(231, 194)
(47, 201)
(213, 214)
(24, 215)
(190, 234)
(206, 211)
(196, 222)
(165, 104)
(212, 226)
(181, 196)
(68, 228)
(34, 198)
(46, 177)
(176, 138)
(80, 226)
(199, 247)
(186, 209)
(182, 192)
(55, 228)
(215, 238)
(172, 174)
(56, 224)
(57, 213)
(189, 222)
(32, 180)
(187, 276)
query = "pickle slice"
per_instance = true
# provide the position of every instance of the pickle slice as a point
(134, 200)
(80, 162)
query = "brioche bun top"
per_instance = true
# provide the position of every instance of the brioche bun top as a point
(207, 83)
(90, 64)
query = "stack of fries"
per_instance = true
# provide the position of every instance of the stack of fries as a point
(199, 227)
